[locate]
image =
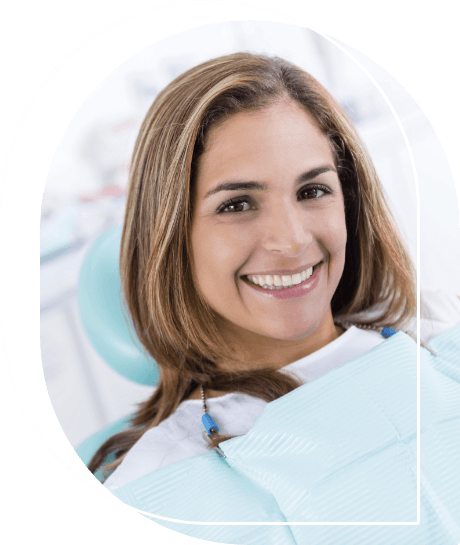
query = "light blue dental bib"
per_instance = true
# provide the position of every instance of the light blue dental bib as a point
(342, 448)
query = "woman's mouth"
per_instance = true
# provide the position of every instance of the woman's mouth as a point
(285, 286)
(280, 282)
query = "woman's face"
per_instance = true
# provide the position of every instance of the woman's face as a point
(268, 213)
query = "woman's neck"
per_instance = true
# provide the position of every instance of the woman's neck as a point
(256, 352)
(275, 353)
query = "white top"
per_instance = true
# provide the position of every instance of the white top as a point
(181, 435)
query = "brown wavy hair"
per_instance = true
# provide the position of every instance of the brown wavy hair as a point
(174, 323)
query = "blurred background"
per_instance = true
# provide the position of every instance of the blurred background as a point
(85, 190)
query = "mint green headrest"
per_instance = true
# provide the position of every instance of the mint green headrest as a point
(103, 315)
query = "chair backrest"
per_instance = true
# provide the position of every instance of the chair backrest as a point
(107, 326)
(103, 315)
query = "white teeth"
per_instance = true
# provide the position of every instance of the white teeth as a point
(286, 280)
(280, 281)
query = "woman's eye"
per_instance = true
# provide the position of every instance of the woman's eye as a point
(313, 192)
(234, 206)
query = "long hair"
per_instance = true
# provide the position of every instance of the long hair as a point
(172, 320)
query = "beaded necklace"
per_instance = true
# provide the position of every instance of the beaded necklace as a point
(208, 422)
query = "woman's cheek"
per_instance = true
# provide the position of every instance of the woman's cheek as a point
(334, 239)
(219, 254)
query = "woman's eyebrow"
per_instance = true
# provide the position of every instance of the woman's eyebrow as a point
(305, 176)
(236, 185)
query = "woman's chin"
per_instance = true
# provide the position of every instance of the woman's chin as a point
(288, 332)
(291, 330)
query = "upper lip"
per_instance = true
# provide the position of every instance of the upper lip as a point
(280, 272)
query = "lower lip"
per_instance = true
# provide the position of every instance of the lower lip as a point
(296, 291)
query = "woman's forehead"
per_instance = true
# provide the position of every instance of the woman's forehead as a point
(281, 139)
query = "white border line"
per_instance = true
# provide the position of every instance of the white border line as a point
(10, 374)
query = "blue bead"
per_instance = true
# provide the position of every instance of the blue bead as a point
(388, 332)
(209, 423)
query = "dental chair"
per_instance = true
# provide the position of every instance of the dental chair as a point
(106, 323)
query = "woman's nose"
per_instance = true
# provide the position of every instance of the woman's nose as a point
(287, 231)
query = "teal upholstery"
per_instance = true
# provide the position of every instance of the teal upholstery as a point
(107, 326)
(103, 315)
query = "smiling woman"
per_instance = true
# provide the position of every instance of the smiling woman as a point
(258, 255)
(258, 132)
